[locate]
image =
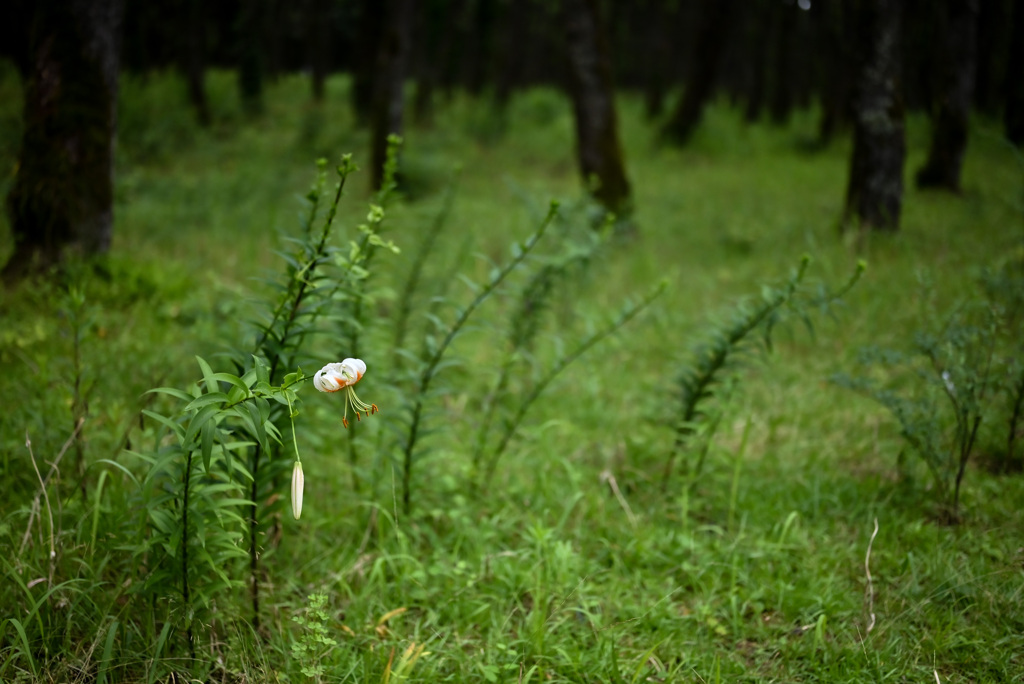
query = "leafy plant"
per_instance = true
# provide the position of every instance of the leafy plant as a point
(748, 330)
(952, 381)
(314, 641)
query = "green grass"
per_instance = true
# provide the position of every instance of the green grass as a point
(756, 574)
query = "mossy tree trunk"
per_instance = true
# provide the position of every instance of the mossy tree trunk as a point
(388, 94)
(875, 189)
(590, 85)
(62, 198)
(957, 22)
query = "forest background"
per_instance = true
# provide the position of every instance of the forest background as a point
(692, 336)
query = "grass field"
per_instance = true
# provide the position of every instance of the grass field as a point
(579, 561)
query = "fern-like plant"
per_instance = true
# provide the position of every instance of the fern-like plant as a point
(748, 329)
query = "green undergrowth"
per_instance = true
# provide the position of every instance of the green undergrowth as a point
(576, 561)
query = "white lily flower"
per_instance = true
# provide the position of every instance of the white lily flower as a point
(298, 481)
(335, 377)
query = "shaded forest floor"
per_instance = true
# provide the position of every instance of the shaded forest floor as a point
(578, 561)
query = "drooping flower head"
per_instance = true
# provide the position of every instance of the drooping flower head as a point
(335, 377)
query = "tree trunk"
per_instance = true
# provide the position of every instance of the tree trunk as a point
(758, 29)
(250, 54)
(658, 57)
(875, 190)
(389, 96)
(957, 27)
(195, 60)
(368, 45)
(837, 46)
(62, 199)
(1013, 114)
(708, 48)
(590, 79)
(318, 12)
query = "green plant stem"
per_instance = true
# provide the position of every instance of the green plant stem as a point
(185, 594)
(426, 247)
(965, 453)
(1015, 414)
(253, 533)
(430, 369)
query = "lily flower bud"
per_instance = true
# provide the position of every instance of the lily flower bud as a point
(298, 480)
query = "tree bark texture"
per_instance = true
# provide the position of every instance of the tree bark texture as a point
(389, 95)
(62, 198)
(957, 30)
(709, 45)
(590, 84)
(875, 190)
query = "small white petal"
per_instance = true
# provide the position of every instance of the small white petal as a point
(355, 368)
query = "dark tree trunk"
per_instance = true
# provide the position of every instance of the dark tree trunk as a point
(476, 44)
(62, 199)
(250, 54)
(659, 55)
(368, 45)
(837, 47)
(993, 19)
(512, 36)
(590, 84)
(783, 76)
(317, 16)
(194, 59)
(875, 190)
(389, 96)
(757, 39)
(708, 48)
(1013, 114)
(957, 25)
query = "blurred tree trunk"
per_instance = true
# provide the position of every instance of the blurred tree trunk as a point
(757, 33)
(780, 101)
(368, 45)
(389, 95)
(1013, 114)
(837, 48)
(62, 199)
(317, 16)
(875, 190)
(657, 80)
(511, 37)
(957, 22)
(590, 84)
(700, 83)
(249, 36)
(195, 59)
(993, 19)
